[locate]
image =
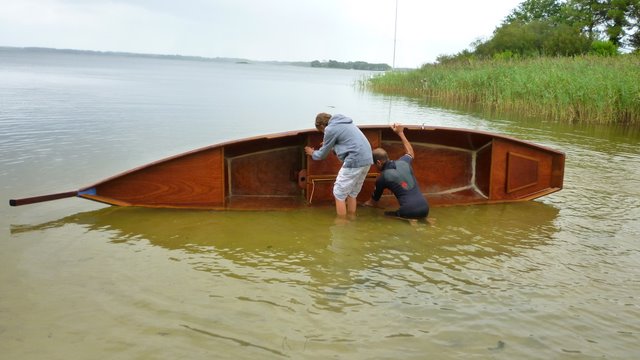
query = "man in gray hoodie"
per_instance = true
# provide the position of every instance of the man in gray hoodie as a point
(353, 149)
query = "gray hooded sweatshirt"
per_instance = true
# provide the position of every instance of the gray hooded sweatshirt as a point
(348, 142)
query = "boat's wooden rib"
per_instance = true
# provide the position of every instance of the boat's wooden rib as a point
(453, 167)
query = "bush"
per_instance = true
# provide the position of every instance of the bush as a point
(603, 48)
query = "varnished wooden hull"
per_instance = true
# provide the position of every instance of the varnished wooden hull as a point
(453, 167)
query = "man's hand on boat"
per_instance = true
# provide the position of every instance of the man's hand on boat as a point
(397, 128)
(309, 150)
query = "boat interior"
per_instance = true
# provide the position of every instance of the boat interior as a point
(452, 168)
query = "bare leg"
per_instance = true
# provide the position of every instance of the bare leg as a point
(341, 208)
(352, 204)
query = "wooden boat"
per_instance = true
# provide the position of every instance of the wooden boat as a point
(453, 167)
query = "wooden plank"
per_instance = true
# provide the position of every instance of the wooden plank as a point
(522, 171)
(195, 179)
(270, 172)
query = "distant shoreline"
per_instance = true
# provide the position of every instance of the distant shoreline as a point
(35, 49)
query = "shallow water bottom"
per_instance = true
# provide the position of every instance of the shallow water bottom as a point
(487, 281)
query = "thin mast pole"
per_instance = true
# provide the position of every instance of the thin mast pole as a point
(393, 67)
(395, 32)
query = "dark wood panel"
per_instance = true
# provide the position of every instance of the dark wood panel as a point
(195, 179)
(518, 170)
(522, 171)
(272, 172)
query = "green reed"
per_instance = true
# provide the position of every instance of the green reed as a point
(581, 89)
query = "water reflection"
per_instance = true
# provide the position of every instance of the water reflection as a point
(371, 260)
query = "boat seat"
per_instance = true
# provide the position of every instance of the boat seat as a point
(313, 179)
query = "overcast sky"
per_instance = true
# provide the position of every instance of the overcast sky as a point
(285, 30)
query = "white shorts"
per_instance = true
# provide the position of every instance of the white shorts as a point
(349, 182)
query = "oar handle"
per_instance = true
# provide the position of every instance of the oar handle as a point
(42, 198)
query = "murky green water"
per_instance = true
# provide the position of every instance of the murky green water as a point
(555, 278)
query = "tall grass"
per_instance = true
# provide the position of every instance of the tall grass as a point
(588, 89)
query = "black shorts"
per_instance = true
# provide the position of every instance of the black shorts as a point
(412, 214)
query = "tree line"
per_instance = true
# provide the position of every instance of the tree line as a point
(561, 28)
(354, 65)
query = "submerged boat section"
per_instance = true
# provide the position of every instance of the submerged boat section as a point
(452, 166)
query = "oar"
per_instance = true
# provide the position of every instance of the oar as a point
(42, 198)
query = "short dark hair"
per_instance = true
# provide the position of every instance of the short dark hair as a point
(381, 155)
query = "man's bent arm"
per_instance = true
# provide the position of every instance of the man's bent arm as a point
(399, 129)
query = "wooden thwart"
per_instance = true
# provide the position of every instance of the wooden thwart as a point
(312, 179)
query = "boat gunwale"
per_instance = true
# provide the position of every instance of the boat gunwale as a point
(293, 133)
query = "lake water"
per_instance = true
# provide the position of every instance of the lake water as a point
(554, 278)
